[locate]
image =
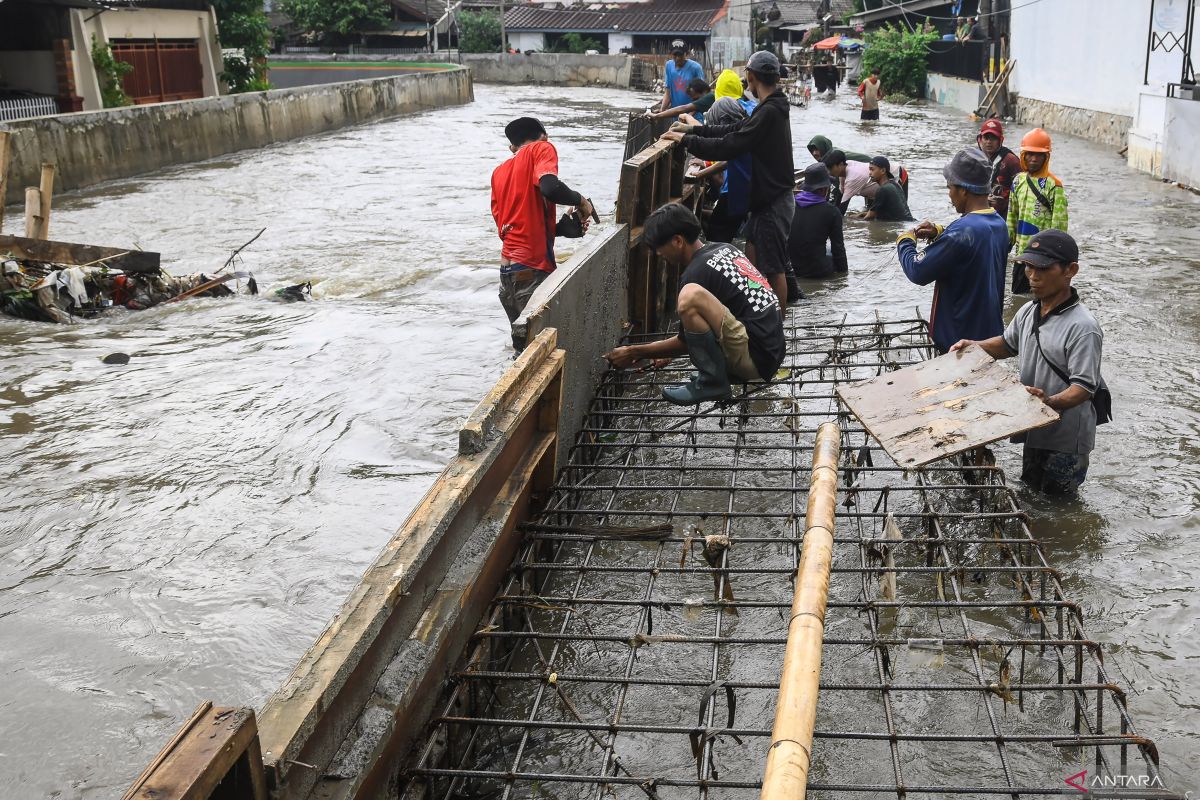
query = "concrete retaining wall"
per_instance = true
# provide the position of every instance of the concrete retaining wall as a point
(946, 90)
(585, 299)
(95, 146)
(558, 69)
(1099, 126)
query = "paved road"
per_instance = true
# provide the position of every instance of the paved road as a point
(289, 74)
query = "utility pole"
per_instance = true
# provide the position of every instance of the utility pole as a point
(503, 34)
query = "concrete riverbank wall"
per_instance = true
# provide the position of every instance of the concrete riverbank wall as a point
(557, 69)
(95, 146)
(585, 301)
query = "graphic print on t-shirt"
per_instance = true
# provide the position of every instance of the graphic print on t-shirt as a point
(744, 276)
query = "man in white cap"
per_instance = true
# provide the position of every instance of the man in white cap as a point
(767, 136)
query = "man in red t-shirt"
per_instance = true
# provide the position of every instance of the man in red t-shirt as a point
(524, 191)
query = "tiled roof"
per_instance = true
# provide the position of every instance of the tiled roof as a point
(803, 12)
(658, 16)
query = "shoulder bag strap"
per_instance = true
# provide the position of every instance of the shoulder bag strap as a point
(1038, 194)
(1037, 340)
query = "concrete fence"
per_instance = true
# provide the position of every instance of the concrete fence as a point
(585, 300)
(558, 69)
(95, 146)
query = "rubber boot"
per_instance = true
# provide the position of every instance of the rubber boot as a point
(711, 381)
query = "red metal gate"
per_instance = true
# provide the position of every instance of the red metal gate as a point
(163, 69)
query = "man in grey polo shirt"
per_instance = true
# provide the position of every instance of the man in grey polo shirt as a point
(1054, 338)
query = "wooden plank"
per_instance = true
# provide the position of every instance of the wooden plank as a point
(196, 761)
(5, 150)
(627, 193)
(473, 436)
(45, 196)
(651, 153)
(1002, 79)
(78, 255)
(944, 406)
(33, 210)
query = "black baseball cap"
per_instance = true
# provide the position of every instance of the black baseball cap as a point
(523, 129)
(1049, 248)
(678, 47)
(883, 164)
(763, 63)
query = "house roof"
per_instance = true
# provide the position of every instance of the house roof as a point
(415, 10)
(896, 8)
(654, 17)
(803, 14)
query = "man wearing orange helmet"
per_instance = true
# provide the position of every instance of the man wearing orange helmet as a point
(1038, 201)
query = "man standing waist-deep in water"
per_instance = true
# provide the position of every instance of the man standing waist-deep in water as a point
(524, 191)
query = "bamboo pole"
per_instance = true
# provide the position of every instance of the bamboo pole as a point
(5, 136)
(33, 211)
(790, 755)
(46, 187)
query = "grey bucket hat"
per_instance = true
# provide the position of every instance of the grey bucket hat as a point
(969, 169)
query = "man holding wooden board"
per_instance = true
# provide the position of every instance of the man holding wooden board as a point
(1058, 344)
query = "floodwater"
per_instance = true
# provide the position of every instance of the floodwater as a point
(183, 527)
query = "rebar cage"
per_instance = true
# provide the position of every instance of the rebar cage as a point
(635, 646)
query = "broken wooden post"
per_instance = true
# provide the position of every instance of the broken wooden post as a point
(33, 210)
(5, 136)
(46, 189)
(790, 754)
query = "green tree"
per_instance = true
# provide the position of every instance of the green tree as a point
(243, 25)
(479, 32)
(110, 71)
(575, 43)
(900, 55)
(338, 18)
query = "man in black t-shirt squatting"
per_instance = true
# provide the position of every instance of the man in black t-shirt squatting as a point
(732, 325)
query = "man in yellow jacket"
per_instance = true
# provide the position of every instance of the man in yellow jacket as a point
(1038, 201)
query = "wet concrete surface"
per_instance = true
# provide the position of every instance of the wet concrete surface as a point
(183, 527)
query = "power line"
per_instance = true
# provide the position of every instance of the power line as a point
(906, 12)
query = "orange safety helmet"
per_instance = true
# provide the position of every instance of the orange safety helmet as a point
(1036, 141)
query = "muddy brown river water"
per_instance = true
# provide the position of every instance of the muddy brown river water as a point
(183, 527)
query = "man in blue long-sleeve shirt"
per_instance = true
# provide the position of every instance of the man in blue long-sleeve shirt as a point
(966, 260)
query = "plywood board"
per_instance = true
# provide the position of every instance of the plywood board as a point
(944, 406)
(77, 255)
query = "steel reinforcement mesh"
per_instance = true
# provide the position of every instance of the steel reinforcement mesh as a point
(635, 646)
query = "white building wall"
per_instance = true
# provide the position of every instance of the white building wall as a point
(618, 40)
(1087, 54)
(527, 40)
(730, 40)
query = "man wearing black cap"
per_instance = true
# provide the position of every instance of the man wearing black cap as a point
(729, 317)
(767, 136)
(1058, 345)
(966, 260)
(680, 72)
(524, 191)
(817, 223)
(889, 204)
